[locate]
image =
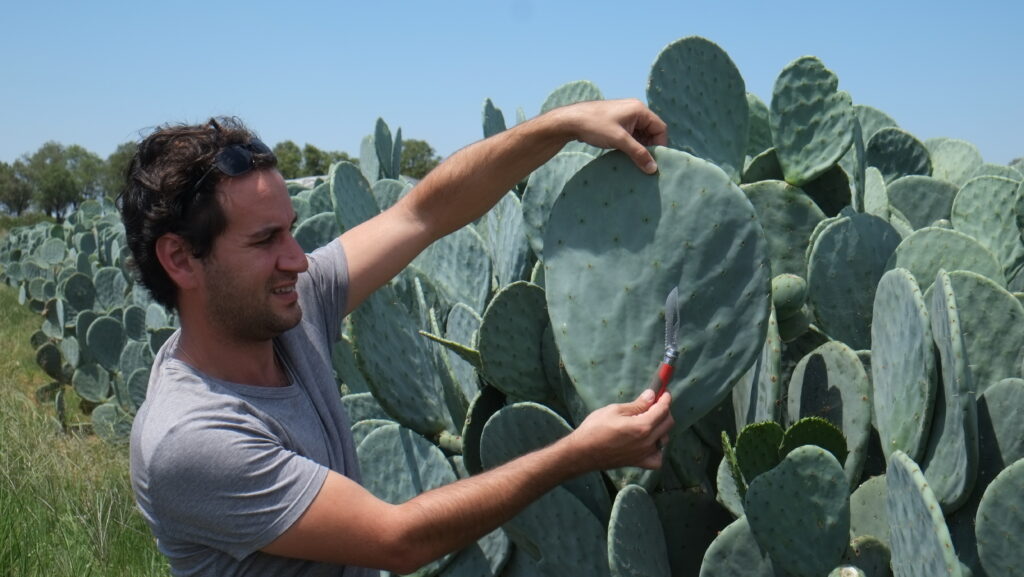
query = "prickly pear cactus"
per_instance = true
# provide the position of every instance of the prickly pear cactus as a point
(812, 121)
(713, 125)
(735, 553)
(841, 286)
(799, 512)
(636, 541)
(902, 364)
(831, 383)
(618, 241)
(951, 459)
(921, 545)
(1001, 523)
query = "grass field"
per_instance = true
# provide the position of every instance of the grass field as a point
(66, 506)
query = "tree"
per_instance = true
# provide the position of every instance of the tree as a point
(53, 186)
(112, 178)
(294, 162)
(314, 161)
(87, 169)
(15, 193)
(338, 156)
(418, 158)
(289, 159)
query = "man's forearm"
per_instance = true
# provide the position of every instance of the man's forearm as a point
(454, 516)
(471, 181)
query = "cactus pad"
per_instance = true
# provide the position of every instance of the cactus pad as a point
(524, 427)
(980, 210)
(922, 199)
(903, 364)
(735, 553)
(895, 153)
(846, 262)
(951, 461)
(812, 121)
(510, 342)
(1000, 523)
(921, 546)
(618, 241)
(636, 541)
(542, 188)
(788, 216)
(800, 513)
(696, 89)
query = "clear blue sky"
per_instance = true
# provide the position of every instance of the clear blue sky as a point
(97, 73)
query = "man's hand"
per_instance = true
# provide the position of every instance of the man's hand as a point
(627, 125)
(628, 434)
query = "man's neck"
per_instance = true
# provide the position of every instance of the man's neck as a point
(245, 362)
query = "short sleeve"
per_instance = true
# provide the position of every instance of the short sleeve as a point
(230, 485)
(324, 287)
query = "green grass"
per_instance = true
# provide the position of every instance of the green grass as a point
(66, 505)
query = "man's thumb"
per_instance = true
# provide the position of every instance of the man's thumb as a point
(644, 401)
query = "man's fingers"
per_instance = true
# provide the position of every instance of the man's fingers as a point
(637, 152)
(641, 404)
(651, 130)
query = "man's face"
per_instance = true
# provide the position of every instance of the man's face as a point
(249, 276)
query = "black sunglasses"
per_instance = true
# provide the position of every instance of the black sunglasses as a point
(235, 160)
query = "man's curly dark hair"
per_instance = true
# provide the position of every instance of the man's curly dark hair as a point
(169, 188)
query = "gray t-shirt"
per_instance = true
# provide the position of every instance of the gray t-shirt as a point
(222, 469)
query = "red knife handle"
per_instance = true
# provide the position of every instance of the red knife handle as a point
(659, 382)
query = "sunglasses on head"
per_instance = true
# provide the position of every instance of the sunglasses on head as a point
(235, 160)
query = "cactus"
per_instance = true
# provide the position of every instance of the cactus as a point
(493, 119)
(895, 152)
(510, 341)
(979, 210)
(736, 553)
(951, 461)
(392, 448)
(619, 247)
(542, 188)
(1000, 523)
(352, 200)
(812, 121)
(712, 125)
(841, 289)
(756, 396)
(504, 230)
(788, 216)
(921, 545)
(636, 541)
(902, 364)
(868, 514)
(994, 356)
(831, 383)
(876, 216)
(930, 249)
(955, 161)
(524, 427)
(922, 199)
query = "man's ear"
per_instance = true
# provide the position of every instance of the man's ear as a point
(175, 255)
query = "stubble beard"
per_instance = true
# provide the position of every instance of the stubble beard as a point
(244, 312)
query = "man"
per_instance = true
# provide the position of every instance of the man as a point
(241, 457)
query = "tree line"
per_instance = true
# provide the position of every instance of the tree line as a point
(56, 178)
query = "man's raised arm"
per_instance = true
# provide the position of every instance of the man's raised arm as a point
(474, 179)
